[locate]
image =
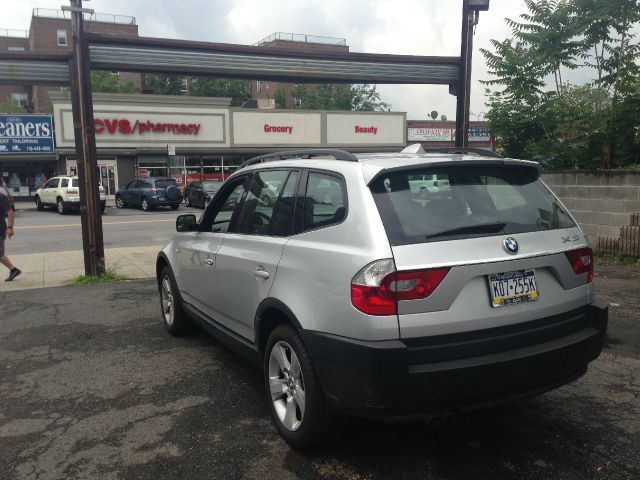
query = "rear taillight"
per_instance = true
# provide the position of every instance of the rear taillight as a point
(377, 288)
(154, 189)
(581, 262)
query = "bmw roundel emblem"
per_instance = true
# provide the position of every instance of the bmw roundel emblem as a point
(510, 245)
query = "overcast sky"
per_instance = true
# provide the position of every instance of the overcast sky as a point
(415, 27)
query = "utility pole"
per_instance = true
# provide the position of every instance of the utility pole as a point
(82, 103)
(470, 15)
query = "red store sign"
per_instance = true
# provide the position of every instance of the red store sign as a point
(125, 127)
(371, 129)
(278, 128)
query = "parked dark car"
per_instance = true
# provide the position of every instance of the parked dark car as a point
(148, 193)
(198, 194)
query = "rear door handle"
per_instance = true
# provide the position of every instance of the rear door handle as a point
(261, 273)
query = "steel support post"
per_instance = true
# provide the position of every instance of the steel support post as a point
(82, 103)
(463, 89)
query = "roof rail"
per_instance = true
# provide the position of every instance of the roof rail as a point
(478, 151)
(306, 153)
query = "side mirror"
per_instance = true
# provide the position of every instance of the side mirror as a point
(187, 223)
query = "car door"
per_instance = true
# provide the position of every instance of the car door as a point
(127, 192)
(247, 260)
(196, 251)
(49, 190)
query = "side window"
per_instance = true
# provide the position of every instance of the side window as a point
(324, 202)
(64, 183)
(218, 218)
(53, 183)
(144, 185)
(132, 184)
(258, 207)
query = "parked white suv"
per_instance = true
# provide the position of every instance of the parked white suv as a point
(63, 193)
(357, 297)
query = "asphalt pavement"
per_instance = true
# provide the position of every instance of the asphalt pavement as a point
(92, 387)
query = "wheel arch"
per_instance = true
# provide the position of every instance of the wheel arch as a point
(161, 262)
(271, 313)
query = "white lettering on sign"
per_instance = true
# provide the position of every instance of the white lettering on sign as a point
(278, 128)
(371, 129)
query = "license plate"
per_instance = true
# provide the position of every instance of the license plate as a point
(510, 288)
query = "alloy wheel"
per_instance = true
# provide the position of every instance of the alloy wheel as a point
(286, 384)
(167, 301)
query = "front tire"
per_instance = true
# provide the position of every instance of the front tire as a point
(294, 393)
(39, 205)
(174, 318)
(119, 202)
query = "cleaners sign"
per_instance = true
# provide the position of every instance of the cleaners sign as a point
(26, 134)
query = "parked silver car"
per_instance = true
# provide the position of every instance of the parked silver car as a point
(358, 297)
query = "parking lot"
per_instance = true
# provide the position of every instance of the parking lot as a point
(93, 387)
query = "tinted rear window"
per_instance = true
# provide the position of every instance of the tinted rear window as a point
(446, 203)
(165, 183)
(74, 182)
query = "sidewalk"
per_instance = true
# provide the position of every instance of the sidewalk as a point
(61, 268)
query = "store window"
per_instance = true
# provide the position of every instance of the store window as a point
(24, 178)
(62, 37)
(149, 166)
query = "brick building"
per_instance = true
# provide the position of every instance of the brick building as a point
(263, 91)
(50, 31)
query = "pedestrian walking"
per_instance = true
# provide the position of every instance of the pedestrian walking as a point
(7, 218)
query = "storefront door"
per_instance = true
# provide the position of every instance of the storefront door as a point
(107, 174)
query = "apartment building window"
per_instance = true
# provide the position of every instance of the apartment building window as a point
(62, 37)
(184, 86)
(20, 99)
(258, 86)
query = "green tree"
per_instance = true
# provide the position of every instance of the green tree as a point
(237, 90)
(164, 84)
(571, 126)
(329, 96)
(280, 98)
(107, 82)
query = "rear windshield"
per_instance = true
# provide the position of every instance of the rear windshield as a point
(165, 183)
(443, 203)
(211, 186)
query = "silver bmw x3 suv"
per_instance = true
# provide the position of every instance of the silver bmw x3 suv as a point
(358, 294)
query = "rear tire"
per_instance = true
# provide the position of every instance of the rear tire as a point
(61, 208)
(39, 205)
(294, 394)
(175, 206)
(187, 202)
(145, 205)
(174, 318)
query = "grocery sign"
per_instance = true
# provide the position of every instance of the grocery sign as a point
(26, 134)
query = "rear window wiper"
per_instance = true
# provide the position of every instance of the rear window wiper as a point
(480, 228)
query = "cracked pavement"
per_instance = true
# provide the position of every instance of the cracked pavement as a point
(92, 387)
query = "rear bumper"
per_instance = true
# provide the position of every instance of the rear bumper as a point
(416, 377)
(156, 202)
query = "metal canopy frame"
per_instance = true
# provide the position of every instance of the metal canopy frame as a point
(257, 63)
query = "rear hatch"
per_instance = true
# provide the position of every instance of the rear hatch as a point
(495, 243)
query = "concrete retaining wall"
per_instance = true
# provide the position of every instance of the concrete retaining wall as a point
(601, 201)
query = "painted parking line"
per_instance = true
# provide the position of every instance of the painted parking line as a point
(67, 225)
